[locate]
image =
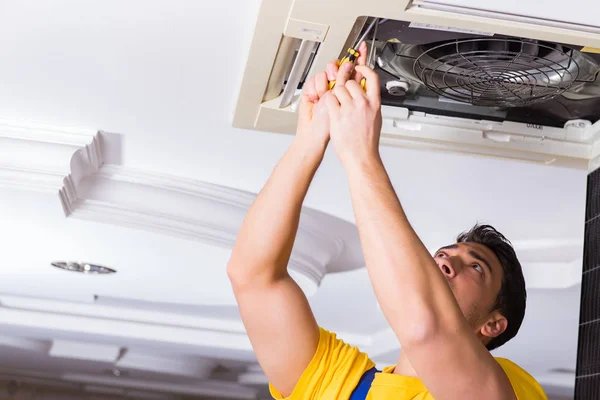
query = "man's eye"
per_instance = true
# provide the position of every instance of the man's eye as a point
(478, 268)
(440, 255)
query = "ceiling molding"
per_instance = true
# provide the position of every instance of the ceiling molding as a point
(51, 384)
(40, 346)
(208, 213)
(47, 158)
(181, 366)
(120, 313)
(85, 351)
(378, 345)
(115, 323)
(212, 388)
(120, 331)
(74, 164)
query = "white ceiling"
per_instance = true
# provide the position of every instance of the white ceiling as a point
(162, 75)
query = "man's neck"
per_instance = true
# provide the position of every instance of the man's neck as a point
(404, 367)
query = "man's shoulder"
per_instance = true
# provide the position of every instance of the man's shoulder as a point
(525, 385)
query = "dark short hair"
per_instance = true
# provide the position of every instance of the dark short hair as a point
(512, 296)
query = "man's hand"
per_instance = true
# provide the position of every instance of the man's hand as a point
(355, 116)
(313, 120)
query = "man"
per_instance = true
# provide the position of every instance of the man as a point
(447, 311)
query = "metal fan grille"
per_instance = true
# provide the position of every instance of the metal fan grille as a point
(497, 72)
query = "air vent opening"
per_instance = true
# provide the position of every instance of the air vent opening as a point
(479, 75)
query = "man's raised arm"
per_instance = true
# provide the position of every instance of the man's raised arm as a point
(275, 311)
(414, 296)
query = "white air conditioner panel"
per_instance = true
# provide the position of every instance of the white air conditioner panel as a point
(580, 12)
(334, 25)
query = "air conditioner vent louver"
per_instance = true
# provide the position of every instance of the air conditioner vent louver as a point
(500, 72)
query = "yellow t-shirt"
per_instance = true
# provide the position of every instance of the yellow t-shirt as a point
(337, 367)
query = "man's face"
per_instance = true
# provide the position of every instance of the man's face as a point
(475, 275)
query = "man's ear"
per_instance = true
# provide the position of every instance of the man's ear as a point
(495, 325)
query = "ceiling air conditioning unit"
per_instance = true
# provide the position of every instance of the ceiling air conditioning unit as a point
(512, 80)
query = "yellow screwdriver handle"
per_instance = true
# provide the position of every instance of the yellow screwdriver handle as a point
(350, 56)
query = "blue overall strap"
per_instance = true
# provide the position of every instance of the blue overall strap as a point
(361, 390)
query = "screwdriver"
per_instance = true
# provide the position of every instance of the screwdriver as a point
(352, 54)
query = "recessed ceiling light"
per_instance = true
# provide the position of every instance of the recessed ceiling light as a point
(85, 268)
